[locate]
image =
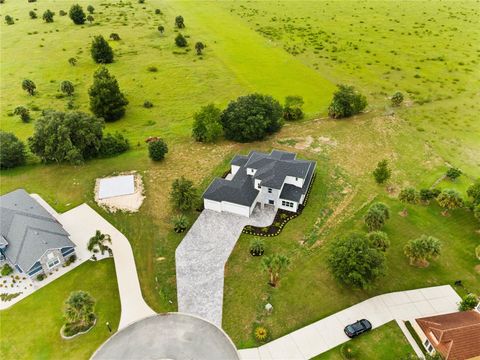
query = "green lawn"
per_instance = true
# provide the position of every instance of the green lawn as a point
(31, 328)
(386, 342)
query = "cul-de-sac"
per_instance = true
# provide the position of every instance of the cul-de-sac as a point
(239, 180)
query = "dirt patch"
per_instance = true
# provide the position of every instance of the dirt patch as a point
(128, 203)
(304, 143)
(477, 268)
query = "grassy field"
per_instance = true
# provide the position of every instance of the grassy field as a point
(386, 342)
(31, 328)
(280, 48)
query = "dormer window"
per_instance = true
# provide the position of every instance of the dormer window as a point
(258, 186)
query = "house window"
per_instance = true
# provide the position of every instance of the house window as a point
(426, 343)
(258, 186)
(287, 203)
(271, 202)
(430, 349)
(52, 260)
(270, 190)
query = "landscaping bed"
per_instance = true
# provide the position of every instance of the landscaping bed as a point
(281, 219)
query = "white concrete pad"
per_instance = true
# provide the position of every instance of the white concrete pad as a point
(404, 311)
(249, 354)
(415, 295)
(309, 341)
(116, 186)
(424, 308)
(264, 353)
(284, 348)
(443, 305)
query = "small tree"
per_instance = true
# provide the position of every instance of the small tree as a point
(183, 194)
(114, 37)
(23, 112)
(29, 86)
(473, 192)
(48, 16)
(9, 20)
(179, 22)
(72, 61)
(180, 223)
(379, 240)
(252, 117)
(106, 99)
(79, 308)
(62, 13)
(427, 195)
(346, 102)
(274, 264)
(90, 9)
(382, 172)
(453, 173)
(449, 200)
(90, 19)
(377, 215)
(293, 108)
(407, 196)
(207, 126)
(112, 145)
(397, 99)
(33, 14)
(67, 87)
(199, 46)
(180, 41)
(420, 250)
(157, 149)
(469, 302)
(101, 51)
(98, 242)
(161, 29)
(77, 15)
(257, 247)
(354, 261)
(12, 151)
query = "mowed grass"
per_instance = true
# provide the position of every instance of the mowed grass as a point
(31, 328)
(385, 342)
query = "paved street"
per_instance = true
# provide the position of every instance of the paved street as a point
(327, 333)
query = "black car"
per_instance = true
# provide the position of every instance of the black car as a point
(357, 328)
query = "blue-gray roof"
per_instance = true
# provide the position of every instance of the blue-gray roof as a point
(29, 229)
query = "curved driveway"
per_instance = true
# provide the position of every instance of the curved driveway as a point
(201, 256)
(82, 222)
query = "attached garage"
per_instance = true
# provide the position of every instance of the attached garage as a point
(220, 206)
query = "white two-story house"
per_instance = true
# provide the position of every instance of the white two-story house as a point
(277, 179)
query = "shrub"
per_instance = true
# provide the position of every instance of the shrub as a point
(261, 333)
(354, 261)
(66, 137)
(469, 302)
(183, 194)
(453, 173)
(449, 200)
(41, 276)
(12, 151)
(147, 104)
(158, 12)
(114, 37)
(112, 145)
(180, 41)
(180, 223)
(379, 240)
(33, 14)
(67, 87)
(29, 86)
(426, 195)
(206, 125)
(9, 20)
(6, 270)
(161, 29)
(408, 196)
(257, 247)
(152, 68)
(106, 99)
(293, 108)
(48, 16)
(62, 13)
(77, 15)
(90, 19)
(157, 149)
(179, 22)
(397, 99)
(199, 46)
(346, 102)
(78, 313)
(70, 260)
(252, 117)
(420, 250)
(382, 172)
(72, 61)
(101, 51)
(23, 112)
(90, 9)
(377, 215)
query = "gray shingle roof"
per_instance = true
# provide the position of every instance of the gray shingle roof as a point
(294, 193)
(29, 229)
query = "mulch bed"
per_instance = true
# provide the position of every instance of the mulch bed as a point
(282, 217)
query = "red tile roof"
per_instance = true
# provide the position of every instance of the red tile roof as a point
(456, 336)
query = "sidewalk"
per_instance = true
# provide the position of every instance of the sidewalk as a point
(327, 333)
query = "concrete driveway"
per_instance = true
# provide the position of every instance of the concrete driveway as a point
(201, 257)
(327, 333)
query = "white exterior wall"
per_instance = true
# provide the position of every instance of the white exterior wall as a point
(265, 196)
(251, 171)
(421, 336)
(288, 208)
(298, 182)
(235, 208)
(234, 169)
(212, 205)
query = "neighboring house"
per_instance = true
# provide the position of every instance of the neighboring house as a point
(455, 336)
(32, 240)
(277, 179)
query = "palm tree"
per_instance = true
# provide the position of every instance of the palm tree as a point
(79, 308)
(97, 242)
(274, 264)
